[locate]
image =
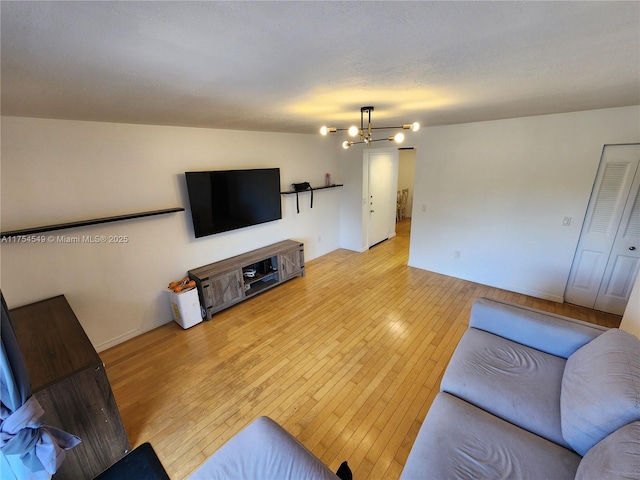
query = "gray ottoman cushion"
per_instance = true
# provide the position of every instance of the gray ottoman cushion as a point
(263, 450)
(460, 441)
(617, 457)
(600, 389)
(516, 383)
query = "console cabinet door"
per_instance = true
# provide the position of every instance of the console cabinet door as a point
(222, 291)
(291, 264)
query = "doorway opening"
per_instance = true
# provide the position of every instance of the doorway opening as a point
(405, 189)
(388, 173)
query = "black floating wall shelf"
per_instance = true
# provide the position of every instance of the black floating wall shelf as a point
(289, 192)
(85, 223)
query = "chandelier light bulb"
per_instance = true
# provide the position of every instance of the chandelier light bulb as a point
(324, 130)
(346, 144)
(414, 127)
(398, 137)
(353, 131)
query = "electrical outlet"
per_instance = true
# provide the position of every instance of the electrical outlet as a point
(566, 222)
(424, 207)
(457, 254)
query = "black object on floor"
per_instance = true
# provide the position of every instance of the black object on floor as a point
(141, 463)
(344, 472)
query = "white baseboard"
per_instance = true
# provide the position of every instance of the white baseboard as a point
(129, 335)
(510, 288)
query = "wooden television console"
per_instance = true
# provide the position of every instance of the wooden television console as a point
(227, 282)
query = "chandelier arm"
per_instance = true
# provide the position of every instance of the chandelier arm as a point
(335, 130)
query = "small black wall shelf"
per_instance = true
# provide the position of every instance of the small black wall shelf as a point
(289, 192)
(84, 223)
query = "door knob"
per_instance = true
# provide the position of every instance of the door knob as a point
(632, 248)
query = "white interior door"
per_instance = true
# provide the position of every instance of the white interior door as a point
(607, 259)
(624, 260)
(382, 195)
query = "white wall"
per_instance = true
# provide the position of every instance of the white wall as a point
(57, 171)
(631, 319)
(497, 192)
(353, 235)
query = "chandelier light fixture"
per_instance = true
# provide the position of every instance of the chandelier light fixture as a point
(366, 132)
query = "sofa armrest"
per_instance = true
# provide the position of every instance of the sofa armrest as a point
(263, 449)
(547, 332)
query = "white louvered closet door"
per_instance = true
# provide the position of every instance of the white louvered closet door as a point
(608, 255)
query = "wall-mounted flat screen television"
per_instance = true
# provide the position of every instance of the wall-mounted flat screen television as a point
(230, 199)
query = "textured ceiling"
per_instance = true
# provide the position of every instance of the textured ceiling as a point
(293, 66)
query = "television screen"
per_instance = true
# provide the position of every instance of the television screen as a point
(230, 199)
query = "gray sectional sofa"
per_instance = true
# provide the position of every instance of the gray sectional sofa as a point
(526, 395)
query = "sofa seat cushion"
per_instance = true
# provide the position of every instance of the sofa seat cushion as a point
(617, 457)
(600, 389)
(509, 380)
(460, 441)
(266, 451)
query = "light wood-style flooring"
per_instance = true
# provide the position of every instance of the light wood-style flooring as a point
(348, 359)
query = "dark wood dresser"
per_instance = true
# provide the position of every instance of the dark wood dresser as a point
(69, 380)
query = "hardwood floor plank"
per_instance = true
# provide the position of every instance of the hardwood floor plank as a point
(348, 359)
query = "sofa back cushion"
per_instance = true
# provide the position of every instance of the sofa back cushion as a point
(600, 389)
(615, 457)
(547, 332)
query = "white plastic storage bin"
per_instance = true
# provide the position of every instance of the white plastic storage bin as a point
(185, 307)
